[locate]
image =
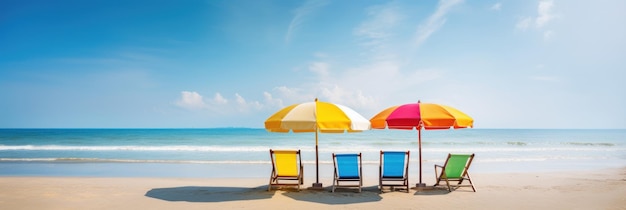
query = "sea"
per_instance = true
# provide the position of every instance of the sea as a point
(244, 152)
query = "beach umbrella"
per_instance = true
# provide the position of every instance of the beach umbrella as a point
(421, 116)
(316, 117)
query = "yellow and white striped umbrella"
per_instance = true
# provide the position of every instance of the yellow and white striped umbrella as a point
(317, 117)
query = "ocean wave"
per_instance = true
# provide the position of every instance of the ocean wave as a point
(135, 148)
(525, 149)
(590, 144)
(310, 148)
(182, 148)
(516, 143)
(99, 160)
(267, 162)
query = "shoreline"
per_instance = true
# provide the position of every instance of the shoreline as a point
(262, 170)
(588, 189)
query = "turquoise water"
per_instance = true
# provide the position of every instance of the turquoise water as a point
(241, 152)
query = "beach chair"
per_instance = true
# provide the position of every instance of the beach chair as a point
(455, 169)
(394, 170)
(348, 169)
(287, 168)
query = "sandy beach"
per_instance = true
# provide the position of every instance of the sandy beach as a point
(601, 189)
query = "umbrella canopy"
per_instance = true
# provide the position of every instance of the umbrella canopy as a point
(316, 117)
(421, 115)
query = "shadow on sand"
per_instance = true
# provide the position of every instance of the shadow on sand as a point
(325, 196)
(210, 194)
(340, 196)
(431, 191)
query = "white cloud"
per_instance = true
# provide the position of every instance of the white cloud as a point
(350, 97)
(240, 100)
(191, 100)
(219, 99)
(380, 75)
(301, 14)
(435, 21)
(244, 106)
(319, 68)
(381, 18)
(292, 94)
(376, 30)
(496, 6)
(219, 104)
(544, 16)
(271, 102)
(356, 87)
(545, 13)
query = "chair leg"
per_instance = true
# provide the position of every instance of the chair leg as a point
(470, 181)
(406, 185)
(360, 183)
(448, 183)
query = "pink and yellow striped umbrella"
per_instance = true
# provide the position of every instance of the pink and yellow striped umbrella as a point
(421, 116)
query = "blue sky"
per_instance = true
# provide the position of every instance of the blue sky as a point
(199, 64)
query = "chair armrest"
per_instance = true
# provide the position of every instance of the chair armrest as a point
(437, 171)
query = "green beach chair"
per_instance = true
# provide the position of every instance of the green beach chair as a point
(394, 170)
(455, 169)
(348, 169)
(286, 168)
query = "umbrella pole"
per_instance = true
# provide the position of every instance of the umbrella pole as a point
(419, 134)
(317, 185)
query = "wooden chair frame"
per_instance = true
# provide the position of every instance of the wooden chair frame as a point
(464, 174)
(277, 179)
(337, 179)
(394, 181)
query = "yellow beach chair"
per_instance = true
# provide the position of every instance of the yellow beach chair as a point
(287, 168)
(455, 169)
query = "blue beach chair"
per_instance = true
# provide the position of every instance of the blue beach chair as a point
(348, 168)
(394, 170)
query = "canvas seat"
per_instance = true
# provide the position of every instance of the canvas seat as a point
(394, 170)
(287, 168)
(455, 170)
(348, 171)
